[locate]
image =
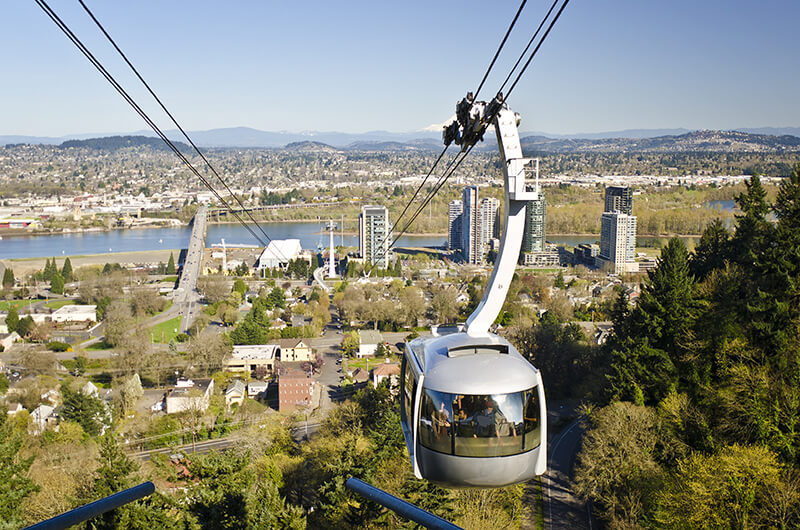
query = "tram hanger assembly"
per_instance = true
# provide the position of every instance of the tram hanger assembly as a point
(473, 409)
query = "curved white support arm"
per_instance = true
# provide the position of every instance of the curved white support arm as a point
(516, 198)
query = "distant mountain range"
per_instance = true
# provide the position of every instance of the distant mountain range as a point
(632, 140)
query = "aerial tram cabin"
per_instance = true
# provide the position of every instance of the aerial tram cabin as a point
(473, 409)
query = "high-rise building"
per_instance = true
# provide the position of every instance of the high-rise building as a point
(471, 248)
(373, 235)
(454, 213)
(619, 199)
(488, 214)
(534, 237)
(617, 243)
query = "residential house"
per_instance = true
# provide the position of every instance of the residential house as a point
(295, 389)
(42, 417)
(295, 350)
(7, 339)
(387, 370)
(235, 393)
(189, 395)
(256, 389)
(360, 376)
(368, 341)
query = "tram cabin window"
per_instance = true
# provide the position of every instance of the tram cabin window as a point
(409, 389)
(479, 425)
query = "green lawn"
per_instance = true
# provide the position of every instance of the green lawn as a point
(352, 364)
(169, 279)
(57, 304)
(166, 331)
(6, 304)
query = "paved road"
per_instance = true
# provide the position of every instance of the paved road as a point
(562, 508)
(186, 299)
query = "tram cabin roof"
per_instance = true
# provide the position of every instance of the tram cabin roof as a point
(459, 364)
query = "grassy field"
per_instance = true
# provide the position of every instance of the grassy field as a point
(57, 304)
(166, 331)
(352, 364)
(5, 305)
(169, 279)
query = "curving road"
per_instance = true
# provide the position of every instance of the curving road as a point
(562, 508)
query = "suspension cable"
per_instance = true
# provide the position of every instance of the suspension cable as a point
(497, 53)
(174, 121)
(96, 63)
(533, 38)
(533, 54)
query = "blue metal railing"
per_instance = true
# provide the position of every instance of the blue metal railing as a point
(93, 509)
(399, 506)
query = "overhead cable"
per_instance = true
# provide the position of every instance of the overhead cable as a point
(500, 48)
(171, 117)
(96, 63)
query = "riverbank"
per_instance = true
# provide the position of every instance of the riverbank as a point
(138, 257)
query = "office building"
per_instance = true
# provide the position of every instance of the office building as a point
(373, 235)
(471, 248)
(455, 210)
(534, 237)
(617, 243)
(619, 199)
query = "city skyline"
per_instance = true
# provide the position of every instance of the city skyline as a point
(352, 67)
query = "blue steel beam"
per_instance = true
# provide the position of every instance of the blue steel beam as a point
(93, 509)
(399, 506)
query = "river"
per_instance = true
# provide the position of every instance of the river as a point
(80, 243)
(309, 234)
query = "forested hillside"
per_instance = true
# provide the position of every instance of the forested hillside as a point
(700, 426)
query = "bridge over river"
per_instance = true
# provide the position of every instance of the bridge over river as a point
(186, 296)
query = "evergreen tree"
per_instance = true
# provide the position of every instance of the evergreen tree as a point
(712, 251)
(12, 319)
(24, 326)
(171, 264)
(8, 278)
(15, 485)
(240, 287)
(752, 227)
(66, 270)
(776, 309)
(112, 476)
(658, 342)
(88, 411)
(57, 284)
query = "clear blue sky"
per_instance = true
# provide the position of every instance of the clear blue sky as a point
(400, 66)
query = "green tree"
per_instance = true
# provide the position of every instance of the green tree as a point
(87, 410)
(24, 326)
(12, 319)
(656, 343)
(66, 270)
(240, 287)
(171, 264)
(57, 284)
(350, 343)
(712, 251)
(15, 486)
(731, 489)
(559, 282)
(8, 278)
(112, 476)
(276, 298)
(775, 312)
